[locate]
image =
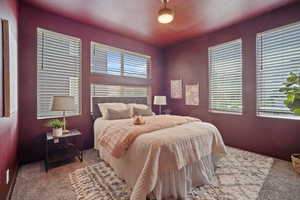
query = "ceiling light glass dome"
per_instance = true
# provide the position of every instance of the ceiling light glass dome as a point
(165, 15)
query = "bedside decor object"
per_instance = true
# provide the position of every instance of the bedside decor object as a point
(56, 126)
(176, 89)
(63, 103)
(192, 94)
(167, 111)
(161, 101)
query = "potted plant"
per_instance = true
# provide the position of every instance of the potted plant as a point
(56, 126)
(292, 91)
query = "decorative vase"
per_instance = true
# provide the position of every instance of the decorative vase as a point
(57, 132)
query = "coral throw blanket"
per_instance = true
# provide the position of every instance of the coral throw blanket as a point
(117, 137)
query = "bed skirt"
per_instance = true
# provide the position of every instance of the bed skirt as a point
(178, 184)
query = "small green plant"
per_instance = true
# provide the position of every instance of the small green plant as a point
(55, 123)
(292, 91)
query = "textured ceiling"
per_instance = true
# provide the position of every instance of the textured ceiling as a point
(138, 18)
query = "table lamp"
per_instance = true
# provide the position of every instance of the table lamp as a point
(63, 103)
(161, 101)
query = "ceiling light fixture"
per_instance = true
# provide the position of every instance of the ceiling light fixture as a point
(165, 15)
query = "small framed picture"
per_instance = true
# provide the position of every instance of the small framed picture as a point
(192, 94)
(176, 89)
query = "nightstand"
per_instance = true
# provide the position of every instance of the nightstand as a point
(63, 148)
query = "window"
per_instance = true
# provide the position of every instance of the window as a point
(226, 77)
(58, 74)
(277, 54)
(113, 61)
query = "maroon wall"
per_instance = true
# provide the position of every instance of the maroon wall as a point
(31, 129)
(8, 126)
(189, 61)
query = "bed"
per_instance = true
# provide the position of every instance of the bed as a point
(166, 162)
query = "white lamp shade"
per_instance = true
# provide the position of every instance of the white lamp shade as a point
(63, 103)
(160, 100)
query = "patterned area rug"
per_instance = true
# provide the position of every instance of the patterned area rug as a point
(239, 176)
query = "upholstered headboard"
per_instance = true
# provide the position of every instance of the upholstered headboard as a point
(96, 100)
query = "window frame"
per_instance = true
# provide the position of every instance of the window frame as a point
(122, 52)
(80, 74)
(289, 116)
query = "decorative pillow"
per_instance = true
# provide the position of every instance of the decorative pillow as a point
(112, 114)
(116, 106)
(135, 105)
(140, 106)
(142, 112)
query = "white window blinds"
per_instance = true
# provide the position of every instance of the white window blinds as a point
(226, 77)
(58, 73)
(99, 90)
(113, 61)
(277, 54)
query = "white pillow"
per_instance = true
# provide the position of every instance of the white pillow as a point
(115, 106)
(139, 106)
(117, 114)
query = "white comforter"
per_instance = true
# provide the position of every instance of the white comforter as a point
(152, 155)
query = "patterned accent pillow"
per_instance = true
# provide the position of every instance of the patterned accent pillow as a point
(112, 114)
(142, 112)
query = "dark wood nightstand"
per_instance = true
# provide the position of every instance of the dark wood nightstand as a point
(63, 148)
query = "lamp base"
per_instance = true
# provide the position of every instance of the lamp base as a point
(65, 131)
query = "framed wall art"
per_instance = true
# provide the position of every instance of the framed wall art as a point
(176, 89)
(192, 94)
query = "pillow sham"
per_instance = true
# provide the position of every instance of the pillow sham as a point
(112, 114)
(142, 112)
(116, 106)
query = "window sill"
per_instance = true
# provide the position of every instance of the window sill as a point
(225, 112)
(54, 117)
(279, 117)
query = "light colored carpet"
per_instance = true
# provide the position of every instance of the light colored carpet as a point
(33, 183)
(239, 176)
